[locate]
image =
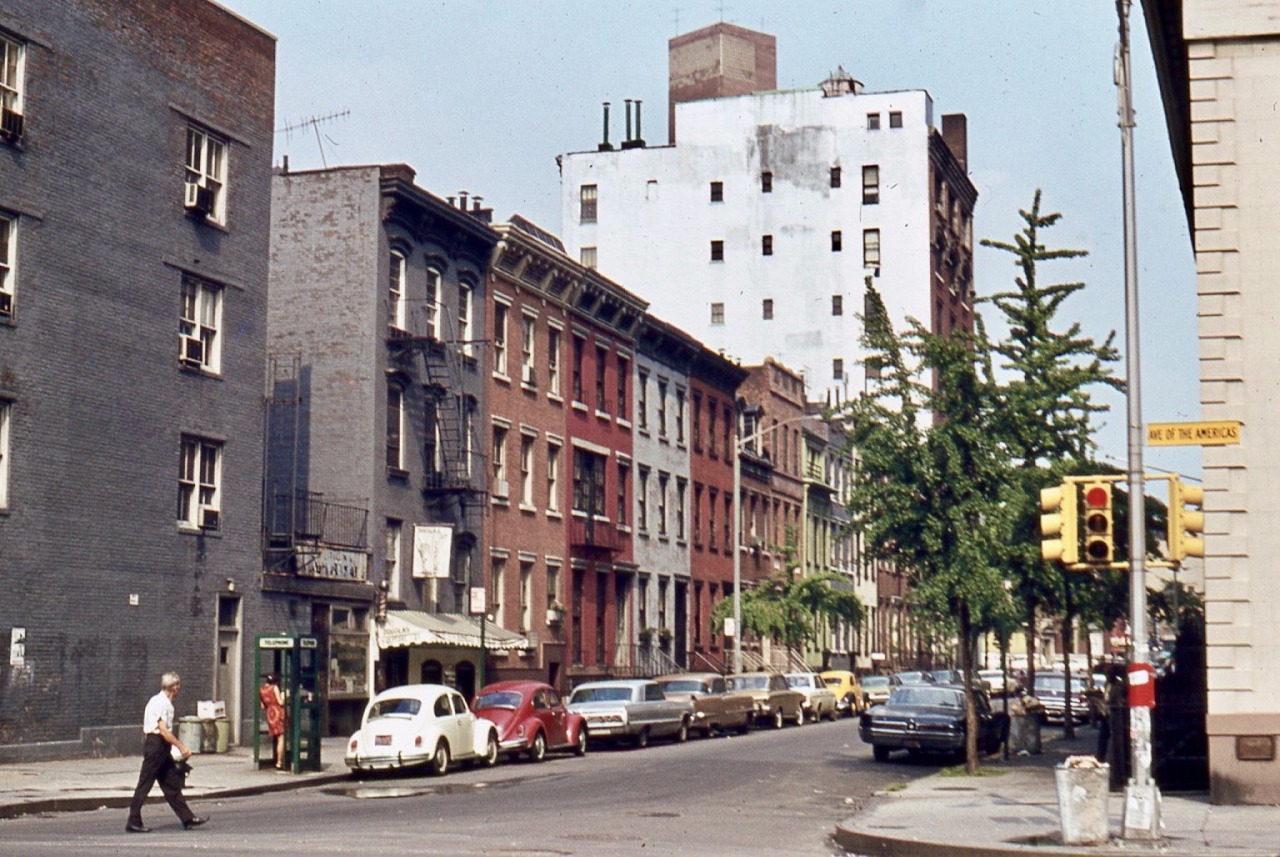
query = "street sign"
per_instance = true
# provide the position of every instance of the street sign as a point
(1217, 433)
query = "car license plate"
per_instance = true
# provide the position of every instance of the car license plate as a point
(382, 740)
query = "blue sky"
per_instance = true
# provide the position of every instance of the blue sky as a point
(482, 95)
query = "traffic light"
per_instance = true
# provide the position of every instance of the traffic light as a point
(1058, 539)
(1099, 541)
(1186, 526)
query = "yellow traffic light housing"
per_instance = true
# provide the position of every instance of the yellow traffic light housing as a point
(1186, 525)
(1099, 539)
(1059, 541)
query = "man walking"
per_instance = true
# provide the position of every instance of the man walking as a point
(158, 760)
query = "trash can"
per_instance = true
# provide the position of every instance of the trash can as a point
(223, 727)
(1083, 785)
(191, 733)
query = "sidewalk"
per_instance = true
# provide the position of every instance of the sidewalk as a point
(85, 784)
(1014, 810)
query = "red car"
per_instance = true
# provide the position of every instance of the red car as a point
(531, 718)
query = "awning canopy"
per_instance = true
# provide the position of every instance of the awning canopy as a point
(416, 628)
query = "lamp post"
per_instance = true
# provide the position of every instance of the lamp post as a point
(740, 444)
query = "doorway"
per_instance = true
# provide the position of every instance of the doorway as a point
(226, 670)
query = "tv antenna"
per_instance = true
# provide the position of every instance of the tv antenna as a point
(314, 123)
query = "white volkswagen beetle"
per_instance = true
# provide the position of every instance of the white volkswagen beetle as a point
(420, 724)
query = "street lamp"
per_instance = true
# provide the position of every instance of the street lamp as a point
(740, 444)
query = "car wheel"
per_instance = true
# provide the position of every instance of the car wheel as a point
(538, 751)
(580, 748)
(642, 738)
(745, 726)
(682, 734)
(801, 717)
(880, 753)
(778, 720)
(440, 759)
(490, 752)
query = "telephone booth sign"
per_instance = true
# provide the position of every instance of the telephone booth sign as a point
(295, 658)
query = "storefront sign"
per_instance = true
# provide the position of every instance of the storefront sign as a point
(432, 547)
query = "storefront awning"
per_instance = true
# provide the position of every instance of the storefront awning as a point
(415, 628)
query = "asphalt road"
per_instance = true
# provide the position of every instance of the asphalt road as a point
(768, 793)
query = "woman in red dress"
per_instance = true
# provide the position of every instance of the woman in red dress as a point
(273, 703)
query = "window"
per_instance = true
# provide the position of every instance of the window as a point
(624, 470)
(895, 118)
(500, 312)
(766, 182)
(766, 245)
(433, 450)
(434, 309)
(588, 482)
(528, 336)
(198, 341)
(836, 174)
(8, 250)
(711, 427)
(728, 521)
(624, 372)
(199, 474)
(717, 251)
(553, 361)
(679, 416)
(501, 489)
(395, 428)
(526, 470)
(717, 312)
(589, 257)
(579, 346)
(717, 191)
(682, 488)
(6, 416)
(871, 248)
(497, 589)
(395, 291)
(602, 357)
(12, 55)
(663, 480)
(464, 318)
(553, 476)
(469, 407)
(642, 400)
(662, 409)
(837, 369)
(526, 596)
(837, 241)
(766, 309)
(728, 431)
(391, 557)
(697, 421)
(206, 174)
(873, 121)
(713, 498)
(642, 500)
(697, 514)
(871, 184)
(553, 584)
(587, 198)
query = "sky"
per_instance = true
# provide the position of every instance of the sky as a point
(482, 95)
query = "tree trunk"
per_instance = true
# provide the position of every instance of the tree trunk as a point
(967, 645)
(1031, 648)
(1068, 717)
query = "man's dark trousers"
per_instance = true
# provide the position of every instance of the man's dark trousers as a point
(157, 765)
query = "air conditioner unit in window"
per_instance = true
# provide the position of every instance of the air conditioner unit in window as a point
(208, 518)
(529, 375)
(192, 350)
(501, 488)
(199, 199)
(10, 124)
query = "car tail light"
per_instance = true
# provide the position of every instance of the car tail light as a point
(417, 741)
(355, 745)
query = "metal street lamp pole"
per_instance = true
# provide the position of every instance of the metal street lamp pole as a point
(1142, 796)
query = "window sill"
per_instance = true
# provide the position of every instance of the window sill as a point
(580, 406)
(555, 515)
(643, 430)
(623, 528)
(502, 377)
(398, 474)
(202, 371)
(187, 529)
(604, 416)
(499, 501)
(528, 507)
(682, 446)
(528, 388)
(623, 423)
(555, 397)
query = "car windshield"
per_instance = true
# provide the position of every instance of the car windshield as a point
(684, 686)
(749, 682)
(499, 699)
(832, 681)
(1055, 683)
(875, 682)
(799, 681)
(395, 708)
(601, 694)
(934, 696)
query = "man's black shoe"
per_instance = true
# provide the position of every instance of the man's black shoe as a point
(195, 822)
(136, 828)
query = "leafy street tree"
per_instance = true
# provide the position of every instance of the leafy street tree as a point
(793, 609)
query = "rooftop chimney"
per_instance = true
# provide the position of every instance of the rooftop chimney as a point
(955, 133)
(605, 145)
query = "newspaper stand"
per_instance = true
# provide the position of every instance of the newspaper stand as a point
(295, 659)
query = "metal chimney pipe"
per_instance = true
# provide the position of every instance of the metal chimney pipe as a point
(462, 200)
(605, 142)
(627, 139)
(475, 202)
(639, 136)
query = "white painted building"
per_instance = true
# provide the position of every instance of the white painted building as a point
(756, 229)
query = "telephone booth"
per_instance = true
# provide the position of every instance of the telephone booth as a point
(295, 659)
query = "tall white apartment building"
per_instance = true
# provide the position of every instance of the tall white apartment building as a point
(755, 229)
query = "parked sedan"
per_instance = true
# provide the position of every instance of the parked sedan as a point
(844, 684)
(1050, 689)
(775, 702)
(714, 706)
(819, 701)
(911, 677)
(875, 690)
(420, 724)
(531, 719)
(634, 709)
(929, 719)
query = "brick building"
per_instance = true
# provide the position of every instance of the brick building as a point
(134, 202)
